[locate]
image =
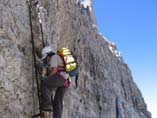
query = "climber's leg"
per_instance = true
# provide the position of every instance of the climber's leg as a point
(54, 81)
(58, 102)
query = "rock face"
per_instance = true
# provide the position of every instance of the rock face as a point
(106, 87)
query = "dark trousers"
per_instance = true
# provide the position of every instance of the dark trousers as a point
(54, 81)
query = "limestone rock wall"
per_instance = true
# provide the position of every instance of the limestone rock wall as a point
(106, 87)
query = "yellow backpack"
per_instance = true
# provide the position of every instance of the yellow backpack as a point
(70, 63)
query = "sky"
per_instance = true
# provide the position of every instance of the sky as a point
(132, 25)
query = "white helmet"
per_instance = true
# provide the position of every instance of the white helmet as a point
(45, 51)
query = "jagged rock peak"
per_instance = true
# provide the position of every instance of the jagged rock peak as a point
(88, 3)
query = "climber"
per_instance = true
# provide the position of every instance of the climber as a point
(54, 79)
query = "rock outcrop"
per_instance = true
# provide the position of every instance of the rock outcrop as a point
(106, 87)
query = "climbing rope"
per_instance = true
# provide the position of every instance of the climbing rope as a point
(35, 65)
(40, 10)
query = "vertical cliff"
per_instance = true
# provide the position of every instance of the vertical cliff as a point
(106, 87)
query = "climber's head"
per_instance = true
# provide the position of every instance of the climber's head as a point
(46, 53)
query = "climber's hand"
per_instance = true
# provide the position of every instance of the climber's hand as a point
(45, 78)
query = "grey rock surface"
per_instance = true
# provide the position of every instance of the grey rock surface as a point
(106, 87)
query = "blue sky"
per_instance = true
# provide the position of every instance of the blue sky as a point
(132, 25)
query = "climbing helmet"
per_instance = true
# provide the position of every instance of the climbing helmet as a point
(45, 51)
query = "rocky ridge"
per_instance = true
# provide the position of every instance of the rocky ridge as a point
(106, 87)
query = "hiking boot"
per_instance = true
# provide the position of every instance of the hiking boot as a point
(47, 108)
